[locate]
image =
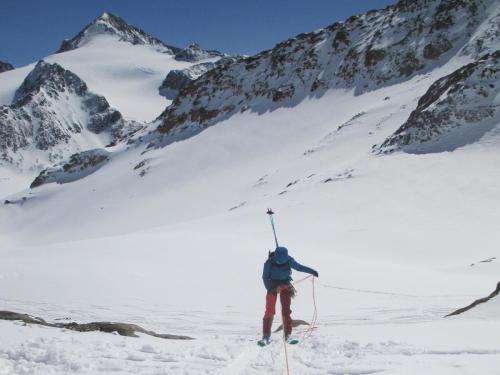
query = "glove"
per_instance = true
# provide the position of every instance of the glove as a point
(315, 274)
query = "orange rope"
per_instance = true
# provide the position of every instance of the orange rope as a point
(314, 319)
(284, 337)
(308, 332)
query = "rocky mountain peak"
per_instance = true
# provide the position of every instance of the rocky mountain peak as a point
(5, 66)
(54, 80)
(55, 114)
(194, 52)
(110, 24)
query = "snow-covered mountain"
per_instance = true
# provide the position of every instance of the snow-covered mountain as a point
(118, 62)
(5, 66)
(363, 53)
(53, 115)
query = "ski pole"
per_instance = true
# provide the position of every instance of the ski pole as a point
(271, 218)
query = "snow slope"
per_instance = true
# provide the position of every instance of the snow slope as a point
(180, 249)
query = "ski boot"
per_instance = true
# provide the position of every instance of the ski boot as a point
(264, 341)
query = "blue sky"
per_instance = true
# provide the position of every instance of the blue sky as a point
(32, 29)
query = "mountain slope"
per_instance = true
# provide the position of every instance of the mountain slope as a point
(116, 60)
(457, 110)
(53, 114)
(363, 53)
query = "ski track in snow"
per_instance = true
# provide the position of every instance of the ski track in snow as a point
(63, 352)
(338, 346)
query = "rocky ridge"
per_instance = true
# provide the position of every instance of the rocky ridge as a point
(177, 79)
(53, 115)
(194, 53)
(456, 110)
(77, 167)
(379, 48)
(110, 24)
(4, 67)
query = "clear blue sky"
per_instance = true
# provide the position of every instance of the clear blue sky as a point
(32, 29)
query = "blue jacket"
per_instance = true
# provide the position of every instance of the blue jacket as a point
(278, 268)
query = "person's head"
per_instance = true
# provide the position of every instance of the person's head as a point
(281, 255)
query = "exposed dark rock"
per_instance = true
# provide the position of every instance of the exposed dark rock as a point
(123, 329)
(476, 302)
(489, 260)
(435, 49)
(291, 183)
(283, 92)
(194, 52)
(373, 56)
(177, 79)
(238, 206)
(5, 66)
(78, 166)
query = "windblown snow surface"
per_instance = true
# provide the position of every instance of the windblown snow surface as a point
(180, 250)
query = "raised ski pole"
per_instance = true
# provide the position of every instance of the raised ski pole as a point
(271, 218)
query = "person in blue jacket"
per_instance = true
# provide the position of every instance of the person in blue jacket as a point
(277, 277)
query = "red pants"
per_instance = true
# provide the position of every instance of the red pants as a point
(285, 299)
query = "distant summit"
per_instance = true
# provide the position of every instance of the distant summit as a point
(110, 24)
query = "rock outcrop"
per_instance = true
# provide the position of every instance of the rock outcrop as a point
(194, 53)
(123, 329)
(477, 302)
(77, 167)
(456, 110)
(177, 79)
(5, 66)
